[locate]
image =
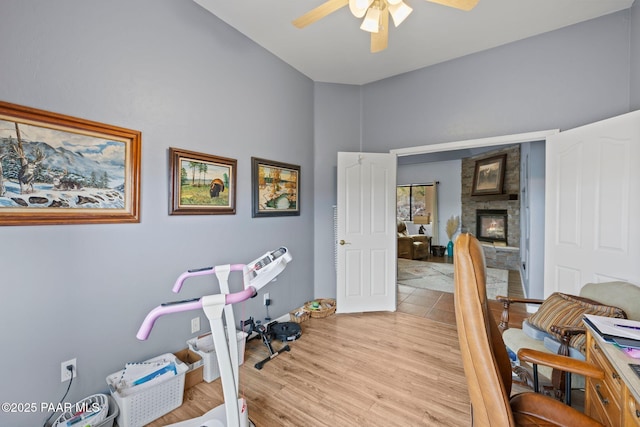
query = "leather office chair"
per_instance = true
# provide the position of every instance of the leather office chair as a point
(486, 363)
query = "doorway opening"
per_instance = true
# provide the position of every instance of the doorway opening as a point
(471, 148)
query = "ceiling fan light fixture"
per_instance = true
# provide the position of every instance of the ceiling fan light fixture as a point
(376, 15)
(359, 7)
(399, 12)
(371, 22)
(363, 4)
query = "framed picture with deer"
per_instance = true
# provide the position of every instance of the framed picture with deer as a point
(488, 177)
(201, 184)
(58, 169)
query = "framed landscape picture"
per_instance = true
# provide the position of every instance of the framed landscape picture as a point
(201, 184)
(488, 178)
(58, 169)
(275, 188)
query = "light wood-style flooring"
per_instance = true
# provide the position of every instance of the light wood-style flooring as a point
(374, 369)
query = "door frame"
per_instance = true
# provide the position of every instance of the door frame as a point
(477, 143)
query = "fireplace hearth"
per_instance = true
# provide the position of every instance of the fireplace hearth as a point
(492, 225)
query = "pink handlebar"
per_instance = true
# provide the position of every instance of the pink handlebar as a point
(161, 310)
(200, 272)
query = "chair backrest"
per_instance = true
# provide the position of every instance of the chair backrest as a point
(618, 294)
(402, 228)
(486, 364)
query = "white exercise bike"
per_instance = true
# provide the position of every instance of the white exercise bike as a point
(256, 275)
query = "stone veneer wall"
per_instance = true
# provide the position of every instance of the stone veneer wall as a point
(511, 186)
(505, 258)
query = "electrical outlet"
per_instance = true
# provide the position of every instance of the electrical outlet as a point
(195, 324)
(266, 297)
(65, 375)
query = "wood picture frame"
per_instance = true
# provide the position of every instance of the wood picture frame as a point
(201, 184)
(488, 177)
(275, 188)
(58, 169)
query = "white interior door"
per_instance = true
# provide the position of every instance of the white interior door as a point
(366, 232)
(592, 199)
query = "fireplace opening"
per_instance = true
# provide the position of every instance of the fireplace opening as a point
(492, 225)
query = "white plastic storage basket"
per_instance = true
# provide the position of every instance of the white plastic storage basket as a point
(90, 411)
(142, 404)
(204, 347)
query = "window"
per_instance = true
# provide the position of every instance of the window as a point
(413, 200)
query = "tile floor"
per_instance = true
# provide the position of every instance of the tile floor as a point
(438, 306)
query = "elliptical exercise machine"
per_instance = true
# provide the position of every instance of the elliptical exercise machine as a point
(257, 274)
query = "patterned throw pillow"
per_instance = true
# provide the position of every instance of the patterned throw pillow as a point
(567, 310)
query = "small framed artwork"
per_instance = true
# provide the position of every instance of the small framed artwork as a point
(58, 169)
(201, 184)
(275, 188)
(488, 177)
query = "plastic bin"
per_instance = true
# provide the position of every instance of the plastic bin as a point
(144, 403)
(111, 416)
(203, 345)
(108, 421)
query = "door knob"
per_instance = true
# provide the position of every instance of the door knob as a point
(342, 242)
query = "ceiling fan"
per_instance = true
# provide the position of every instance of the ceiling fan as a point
(376, 15)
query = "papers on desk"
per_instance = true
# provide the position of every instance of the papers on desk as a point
(623, 333)
(622, 328)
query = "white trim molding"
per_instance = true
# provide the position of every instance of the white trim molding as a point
(474, 143)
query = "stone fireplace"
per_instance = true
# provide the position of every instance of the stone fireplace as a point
(492, 225)
(494, 219)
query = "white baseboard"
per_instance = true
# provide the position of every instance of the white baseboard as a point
(283, 318)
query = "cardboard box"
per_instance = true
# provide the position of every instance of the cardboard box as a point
(195, 363)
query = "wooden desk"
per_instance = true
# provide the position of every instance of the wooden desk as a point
(615, 400)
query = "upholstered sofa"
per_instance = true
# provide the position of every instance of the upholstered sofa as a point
(415, 246)
(613, 299)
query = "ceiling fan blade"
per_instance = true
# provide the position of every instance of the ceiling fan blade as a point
(380, 39)
(466, 5)
(319, 12)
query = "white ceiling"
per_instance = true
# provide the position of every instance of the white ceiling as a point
(335, 50)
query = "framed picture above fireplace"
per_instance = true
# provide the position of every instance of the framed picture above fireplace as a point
(488, 177)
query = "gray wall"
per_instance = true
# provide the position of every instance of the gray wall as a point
(336, 128)
(634, 77)
(562, 79)
(543, 82)
(185, 79)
